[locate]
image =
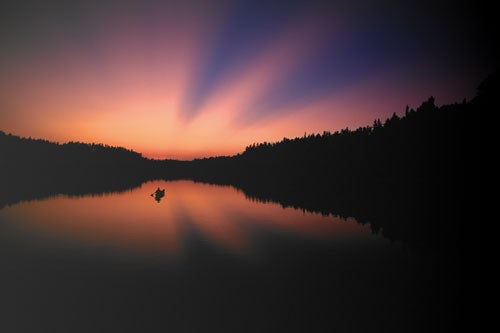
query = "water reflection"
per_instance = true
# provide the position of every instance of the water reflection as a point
(221, 215)
(208, 251)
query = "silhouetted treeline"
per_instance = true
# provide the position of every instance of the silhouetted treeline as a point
(409, 176)
(406, 176)
(34, 168)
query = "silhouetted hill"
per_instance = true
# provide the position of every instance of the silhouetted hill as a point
(30, 157)
(34, 168)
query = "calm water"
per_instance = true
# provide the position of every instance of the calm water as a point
(205, 258)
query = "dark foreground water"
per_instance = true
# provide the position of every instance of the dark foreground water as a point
(207, 259)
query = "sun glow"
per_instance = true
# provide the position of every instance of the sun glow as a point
(130, 78)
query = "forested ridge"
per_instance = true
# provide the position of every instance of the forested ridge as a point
(406, 171)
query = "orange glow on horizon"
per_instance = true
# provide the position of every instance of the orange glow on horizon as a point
(132, 84)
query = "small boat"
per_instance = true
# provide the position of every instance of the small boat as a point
(158, 194)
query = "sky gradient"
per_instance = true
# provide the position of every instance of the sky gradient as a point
(201, 78)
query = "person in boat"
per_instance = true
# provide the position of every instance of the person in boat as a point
(158, 194)
(158, 191)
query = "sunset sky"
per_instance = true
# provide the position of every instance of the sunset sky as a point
(192, 79)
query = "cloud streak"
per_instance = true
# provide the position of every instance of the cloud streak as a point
(191, 79)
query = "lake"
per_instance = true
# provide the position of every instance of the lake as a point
(206, 258)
